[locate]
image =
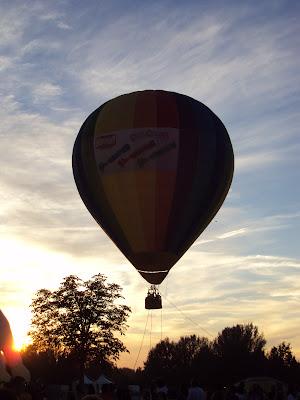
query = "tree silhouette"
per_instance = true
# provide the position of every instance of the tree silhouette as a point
(191, 353)
(282, 363)
(236, 353)
(240, 350)
(178, 361)
(282, 354)
(161, 360)
(79, 319)
(241, 339)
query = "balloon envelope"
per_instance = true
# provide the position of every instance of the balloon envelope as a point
(153, 168)
(9, 356)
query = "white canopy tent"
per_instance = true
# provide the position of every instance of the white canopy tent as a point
(97, 383)
(102, 380)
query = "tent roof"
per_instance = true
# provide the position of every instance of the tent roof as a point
(101, 380)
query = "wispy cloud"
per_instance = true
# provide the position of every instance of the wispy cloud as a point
(224, 290)
(5, 62)
(37, 46)
(237, 232)
(57, 18)
(45, 90)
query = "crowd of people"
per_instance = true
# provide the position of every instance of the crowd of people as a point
(18, 389)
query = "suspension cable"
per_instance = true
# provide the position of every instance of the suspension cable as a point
(141, 342)
(161, 324)
(150, 342)
(189, 319)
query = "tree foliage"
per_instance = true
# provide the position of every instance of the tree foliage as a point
(80, 319)
(282, 354)
(282, 362)
(177, 360)
(239, 341)
(236, 353)
(160, 359)
(240, 352)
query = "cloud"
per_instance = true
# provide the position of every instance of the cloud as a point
(46, 90)
(231, 288)
(256, 160)
(241, 231)
(5, 62)
(37, 185)
(223, 290)
(12, 21)
(57, 18)
(37, 46)
(216, 58)
(237, 232)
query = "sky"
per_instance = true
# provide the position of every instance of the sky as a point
(60, 60)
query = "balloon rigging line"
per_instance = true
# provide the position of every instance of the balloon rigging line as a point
(189, 319)
(166, 285)
(141, 342)
(150, 328)
(161, 324)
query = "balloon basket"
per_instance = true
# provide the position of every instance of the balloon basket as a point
(153, 299)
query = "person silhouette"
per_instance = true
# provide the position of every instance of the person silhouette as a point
(195, 391)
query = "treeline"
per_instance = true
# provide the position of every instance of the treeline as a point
(236, 353)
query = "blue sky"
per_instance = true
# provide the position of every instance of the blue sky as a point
(60, 60)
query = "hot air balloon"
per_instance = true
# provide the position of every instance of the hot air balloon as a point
(153, 168)
(10, 357)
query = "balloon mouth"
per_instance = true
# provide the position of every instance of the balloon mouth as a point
(153, 272)
(153, 266)
(154, 277)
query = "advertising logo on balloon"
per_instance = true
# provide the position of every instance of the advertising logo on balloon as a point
(137, 153)
(137, 149)
(160, 152)
(159, 135)
(105, 142)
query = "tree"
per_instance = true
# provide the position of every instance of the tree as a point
(282, 354)
(160, 360)
(80, 319)
(282, 363)
(179, 361)
(243, 339)
(240, 350)
(190, 354)
(44, 366)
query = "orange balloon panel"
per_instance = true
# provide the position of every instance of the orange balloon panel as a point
(153, 168)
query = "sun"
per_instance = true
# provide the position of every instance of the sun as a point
(18, 346)
(20, 342)
(19, 328)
